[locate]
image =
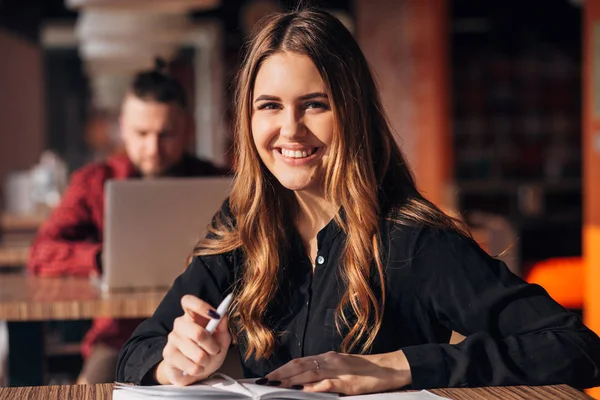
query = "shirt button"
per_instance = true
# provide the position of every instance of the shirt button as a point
(307, 303)
(320, 260)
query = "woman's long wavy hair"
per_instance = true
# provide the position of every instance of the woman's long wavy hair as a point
(368, 178)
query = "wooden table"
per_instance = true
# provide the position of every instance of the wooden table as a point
(104, 392)
(13, 255)
(16, 222)
(26, 301)
(16, 234)
(30, 298)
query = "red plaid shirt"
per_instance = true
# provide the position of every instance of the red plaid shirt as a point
(70, 239)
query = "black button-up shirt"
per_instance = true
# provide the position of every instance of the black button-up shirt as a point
(436, 281)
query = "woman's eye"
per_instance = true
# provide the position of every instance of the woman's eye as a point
(268, 106)
(316, 104)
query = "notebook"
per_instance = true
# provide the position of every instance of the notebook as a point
(151, 227)
(223, 387)
(218, 387)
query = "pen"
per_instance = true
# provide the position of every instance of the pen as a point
(221, 310)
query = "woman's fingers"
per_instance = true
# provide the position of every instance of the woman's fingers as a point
(327, 385)
(184, 327)
(308, 376)
(191, 352)
(189, 349)
(311, 373)
(178, 379)
(173, 357)
(344, 373)
(290, 369)
(198, 310)
(312, 366)
(221, 335)
(167, 374)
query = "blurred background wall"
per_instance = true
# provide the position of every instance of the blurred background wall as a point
(22, 124)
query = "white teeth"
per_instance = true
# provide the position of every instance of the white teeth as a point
(297, 153)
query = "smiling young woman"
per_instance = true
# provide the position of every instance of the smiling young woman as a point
(292, 121)
(345, 277)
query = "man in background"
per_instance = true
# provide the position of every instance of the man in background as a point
(155, 132)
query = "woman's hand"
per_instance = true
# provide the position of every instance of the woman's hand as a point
(345, 373)
(192, 353)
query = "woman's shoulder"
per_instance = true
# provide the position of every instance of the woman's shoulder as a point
(434, 251)
(414, 239)
(399, 227)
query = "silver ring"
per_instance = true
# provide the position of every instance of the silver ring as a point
(317, 363)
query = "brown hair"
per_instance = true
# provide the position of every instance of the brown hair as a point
(157, 85)
(367, 177)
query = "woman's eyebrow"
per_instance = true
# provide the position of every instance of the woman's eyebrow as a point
(313, 96)
(266, 97)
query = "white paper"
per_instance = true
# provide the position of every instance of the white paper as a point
(421, 395)
(222, 387)
(247, 388)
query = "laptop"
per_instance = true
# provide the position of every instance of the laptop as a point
(151, 227)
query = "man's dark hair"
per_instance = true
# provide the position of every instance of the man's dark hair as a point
(157, 85)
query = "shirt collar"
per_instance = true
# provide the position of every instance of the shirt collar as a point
(331, 230)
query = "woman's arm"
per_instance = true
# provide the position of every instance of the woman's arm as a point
(515, 333)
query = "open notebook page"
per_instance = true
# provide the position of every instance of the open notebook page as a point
(222, 387)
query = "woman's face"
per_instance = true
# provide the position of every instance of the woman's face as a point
(292, 121)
